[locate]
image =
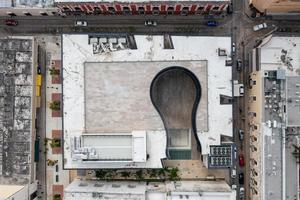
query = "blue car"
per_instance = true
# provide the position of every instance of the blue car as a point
(212, 23)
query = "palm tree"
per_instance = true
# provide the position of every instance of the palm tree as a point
(174, 174)
(55, 105)
(101, 173)
(139, 174)
(125, 174)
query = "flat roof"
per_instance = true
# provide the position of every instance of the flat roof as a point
(210, 190)
(7, 191)
(16, 103)
(5, 3)
(132, 89)
(293, 100)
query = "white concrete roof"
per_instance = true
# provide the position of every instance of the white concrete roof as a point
(272, 51)
(76, 51)
(209, 190)
(5, 3)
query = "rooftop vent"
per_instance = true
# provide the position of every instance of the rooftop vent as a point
(83, 184)
(131, 186)
(98, 185)
(115, 185)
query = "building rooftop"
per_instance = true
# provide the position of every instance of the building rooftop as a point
(120, 81)
(33, 3)
(7, 191)
(293, 101)
(279, 65)
(5, 3)
(209, 190)
(16, 79)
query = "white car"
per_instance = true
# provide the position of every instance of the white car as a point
(233, 173)
(259, 26)
(242, 90)
(81, 23)
(150, 23)
(242, 191)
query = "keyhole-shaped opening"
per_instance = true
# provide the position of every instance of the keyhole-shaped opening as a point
(175, 93)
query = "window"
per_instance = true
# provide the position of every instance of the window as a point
(111, 10)
(141, 10)
(66, 9)
(44, 14)
(77, 9)
(254, 98)
(155, 10)
(126, 10)
(170, 10)
(56, 178)
(56, 168)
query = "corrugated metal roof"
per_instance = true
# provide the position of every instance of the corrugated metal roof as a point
(5, 3)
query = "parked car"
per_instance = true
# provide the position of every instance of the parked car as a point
(242, 90)
(242, 191)
(259, 26)
(233, 173)
(233, 187)
(212, 23)
(241, 160)
(239, 65)
(150, 23)
(241, 178)
(234, 153)
(233, 49)
(81, 23)
(11, 22)
(241, 135)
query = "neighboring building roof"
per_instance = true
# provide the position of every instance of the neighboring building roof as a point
(16, 102)
(33, 3)
(276, 6)
(209, 190)
(5, 3)
(7, 191)
(293, 101)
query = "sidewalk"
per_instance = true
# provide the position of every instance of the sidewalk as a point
(57, 178)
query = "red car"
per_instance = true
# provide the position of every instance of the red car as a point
(241, 160)
(11, 22)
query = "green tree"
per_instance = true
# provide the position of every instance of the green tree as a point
(173, 174)
(100, 173)
(54, 71)
(125, 174)
(139, 174)
(56, 197)
(55, 105)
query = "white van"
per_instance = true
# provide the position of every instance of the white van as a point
(233, 173)
(274, 124)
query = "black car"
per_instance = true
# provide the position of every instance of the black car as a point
(239, 65)
(241, 178)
